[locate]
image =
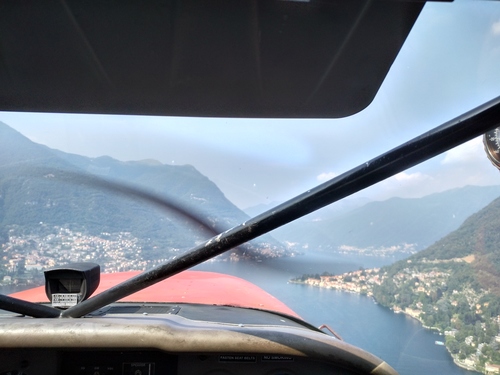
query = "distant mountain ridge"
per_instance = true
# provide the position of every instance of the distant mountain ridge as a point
(39, 184)
(25, 177)
(419, 221)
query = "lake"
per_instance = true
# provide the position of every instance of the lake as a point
(397, 338)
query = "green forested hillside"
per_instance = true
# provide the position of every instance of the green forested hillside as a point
(454, 286)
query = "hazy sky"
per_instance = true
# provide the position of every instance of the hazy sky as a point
(449, 64)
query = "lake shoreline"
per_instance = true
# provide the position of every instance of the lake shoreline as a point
(456, 361)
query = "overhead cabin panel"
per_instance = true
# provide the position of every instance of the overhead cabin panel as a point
(259, 58)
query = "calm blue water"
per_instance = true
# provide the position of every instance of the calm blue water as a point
(398, 339)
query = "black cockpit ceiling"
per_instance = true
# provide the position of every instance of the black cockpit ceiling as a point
(260, 58)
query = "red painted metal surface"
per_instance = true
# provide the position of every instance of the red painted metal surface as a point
(186, 287)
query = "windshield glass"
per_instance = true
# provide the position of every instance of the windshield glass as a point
(410, 243)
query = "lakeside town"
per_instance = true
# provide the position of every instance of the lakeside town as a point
(476, 350)
(399, 251)
(353, 282)
(25, 256)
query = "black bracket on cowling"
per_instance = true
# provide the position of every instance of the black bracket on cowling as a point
(71, 284)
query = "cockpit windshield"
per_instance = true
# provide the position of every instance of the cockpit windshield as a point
(405, 267)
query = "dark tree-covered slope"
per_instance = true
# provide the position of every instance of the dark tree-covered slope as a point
(41, 185)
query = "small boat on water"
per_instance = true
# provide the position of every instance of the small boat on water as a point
(439, 343)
